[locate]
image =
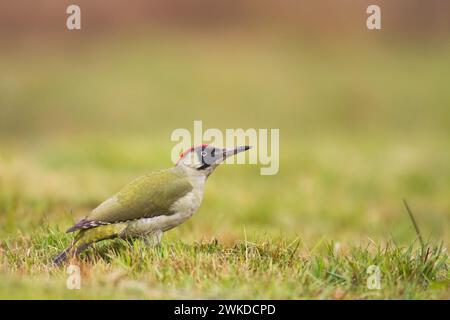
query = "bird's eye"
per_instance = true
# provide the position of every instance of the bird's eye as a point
(203, 153)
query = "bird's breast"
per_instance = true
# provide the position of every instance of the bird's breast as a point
(189, 203)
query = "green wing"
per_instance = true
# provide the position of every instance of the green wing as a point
(148, 196)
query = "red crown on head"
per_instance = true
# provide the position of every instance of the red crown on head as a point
(185, 152)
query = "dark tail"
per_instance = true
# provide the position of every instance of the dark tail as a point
(62, 256)
(70, 251)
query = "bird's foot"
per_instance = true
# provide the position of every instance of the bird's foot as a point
(154, 239)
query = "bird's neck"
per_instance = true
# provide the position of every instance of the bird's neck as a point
(196, 177)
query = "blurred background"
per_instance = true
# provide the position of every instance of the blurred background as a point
(364, 116)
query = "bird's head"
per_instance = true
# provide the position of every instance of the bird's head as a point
(205, 158)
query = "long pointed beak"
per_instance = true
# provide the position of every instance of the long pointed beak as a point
(230, 152)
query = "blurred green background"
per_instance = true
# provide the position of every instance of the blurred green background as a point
(364, 116)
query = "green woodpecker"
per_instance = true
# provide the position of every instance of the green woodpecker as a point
(151, 204)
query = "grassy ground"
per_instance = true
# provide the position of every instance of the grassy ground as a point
(361, 128)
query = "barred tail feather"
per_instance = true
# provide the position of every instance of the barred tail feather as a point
(62, 256)
(85, 224)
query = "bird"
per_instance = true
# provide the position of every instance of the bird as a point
(151, 204)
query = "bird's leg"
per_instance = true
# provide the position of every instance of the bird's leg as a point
(154, 239)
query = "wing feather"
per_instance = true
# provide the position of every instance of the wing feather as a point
(147, 196)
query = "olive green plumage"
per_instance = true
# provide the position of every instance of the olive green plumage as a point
(148, 196)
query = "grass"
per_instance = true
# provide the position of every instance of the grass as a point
(275, 268)
(361, 128)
